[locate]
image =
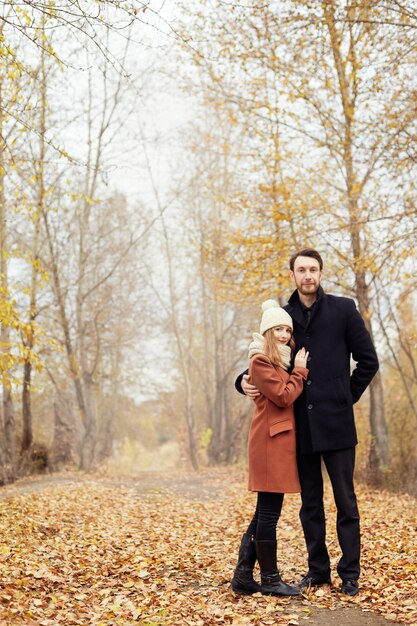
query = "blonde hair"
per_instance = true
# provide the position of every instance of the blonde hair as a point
(271, 347)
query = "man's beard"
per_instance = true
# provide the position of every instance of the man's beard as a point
(308, 289)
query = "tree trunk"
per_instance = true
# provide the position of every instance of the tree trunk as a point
(379, 451)
(184, 361)
(72, 361)
(89, 442)
(27, 434)
(216, 442)
(107, 434)
(9, 424)
(378, 455)
(10, 431)
(64, 437)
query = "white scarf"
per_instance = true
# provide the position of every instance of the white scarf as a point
(257, 347)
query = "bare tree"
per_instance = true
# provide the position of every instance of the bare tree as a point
(39, 176)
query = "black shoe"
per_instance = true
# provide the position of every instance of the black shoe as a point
(271, 582)
(273, 585)
(350, 587)
(312, 581)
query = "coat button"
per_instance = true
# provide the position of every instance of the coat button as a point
(309, 382)
(310, 406)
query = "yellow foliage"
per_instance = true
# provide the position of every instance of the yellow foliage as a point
(18, 342)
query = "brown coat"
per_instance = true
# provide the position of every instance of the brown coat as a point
(272, 445)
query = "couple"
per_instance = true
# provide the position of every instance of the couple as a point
(325, 331)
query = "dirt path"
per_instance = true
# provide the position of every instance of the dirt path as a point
(206, 487)
(190, 486)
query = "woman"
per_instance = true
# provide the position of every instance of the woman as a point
(272, 448)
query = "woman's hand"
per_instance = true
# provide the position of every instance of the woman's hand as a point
(250, 390)
(301, 358)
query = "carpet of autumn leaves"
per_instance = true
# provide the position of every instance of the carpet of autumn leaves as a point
(92, 550)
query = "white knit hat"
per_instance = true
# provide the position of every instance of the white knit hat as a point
(273, 315)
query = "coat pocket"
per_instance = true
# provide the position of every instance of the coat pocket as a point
(340, 391)
(280, 427)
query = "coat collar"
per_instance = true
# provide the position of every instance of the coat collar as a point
(294, 306)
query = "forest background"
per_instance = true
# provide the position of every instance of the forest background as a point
(159, 163)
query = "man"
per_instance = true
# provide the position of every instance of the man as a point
(332, 331)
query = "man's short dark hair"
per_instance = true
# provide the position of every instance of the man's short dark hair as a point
(306, 252)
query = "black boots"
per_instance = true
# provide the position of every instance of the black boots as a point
(242, 581)
(271, 583)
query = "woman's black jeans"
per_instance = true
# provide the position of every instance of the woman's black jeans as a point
(263, 526)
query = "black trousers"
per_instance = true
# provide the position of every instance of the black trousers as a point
(340, 466)
(263, 526)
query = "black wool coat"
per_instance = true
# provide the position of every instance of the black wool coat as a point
(335, 333)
